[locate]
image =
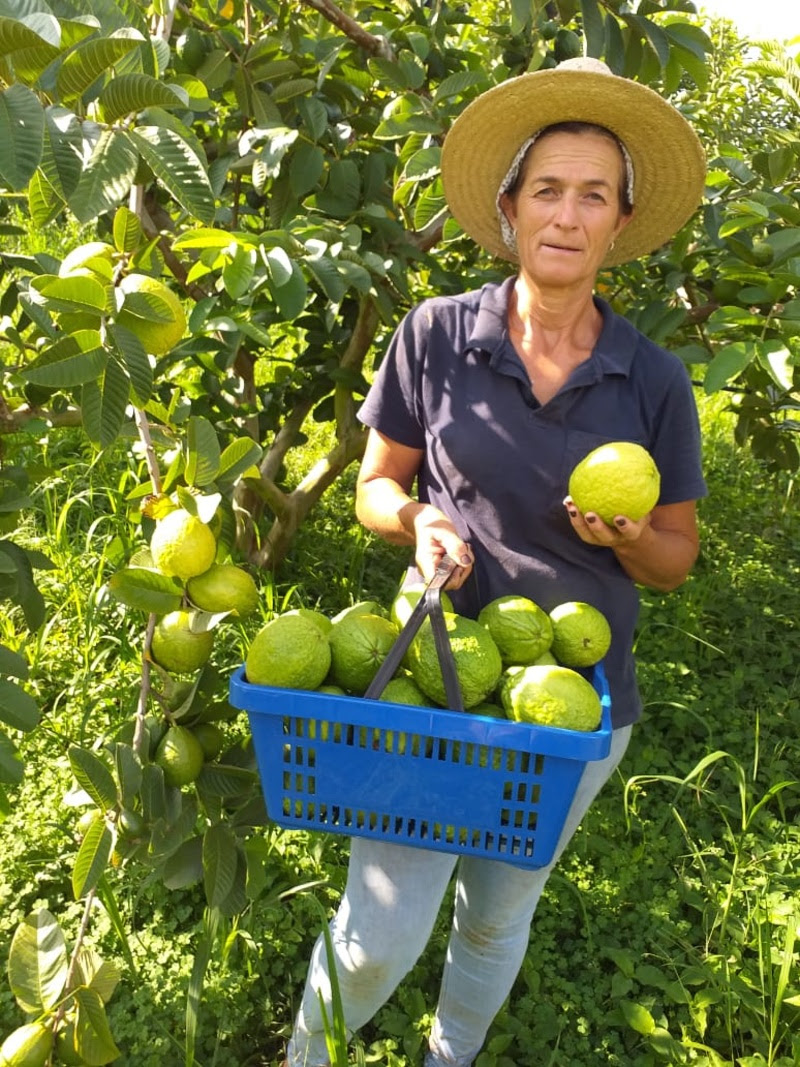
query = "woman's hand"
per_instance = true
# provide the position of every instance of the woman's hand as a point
(591, 528)
(658, 550)
(383, 505)
(436, 537)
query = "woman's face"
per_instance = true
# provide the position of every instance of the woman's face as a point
(566, 207)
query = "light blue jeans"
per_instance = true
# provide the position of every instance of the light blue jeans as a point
(386, 917)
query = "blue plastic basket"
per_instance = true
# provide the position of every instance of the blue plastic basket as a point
(429, 778)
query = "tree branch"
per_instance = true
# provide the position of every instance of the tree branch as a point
(376, 46)
(14, 421)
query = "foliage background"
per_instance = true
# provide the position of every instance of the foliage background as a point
(277, 166)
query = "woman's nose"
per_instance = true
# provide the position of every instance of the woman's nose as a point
(566, 214)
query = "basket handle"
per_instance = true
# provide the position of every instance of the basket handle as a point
(428, 606)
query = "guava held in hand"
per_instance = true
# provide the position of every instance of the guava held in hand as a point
(620, 478)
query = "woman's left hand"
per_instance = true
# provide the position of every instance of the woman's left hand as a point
(591, 528)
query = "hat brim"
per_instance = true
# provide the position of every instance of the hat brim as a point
(668, 160)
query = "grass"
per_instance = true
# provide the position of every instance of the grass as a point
(669, 933)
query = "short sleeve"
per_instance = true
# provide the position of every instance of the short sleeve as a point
(677, 444)
(393, 405)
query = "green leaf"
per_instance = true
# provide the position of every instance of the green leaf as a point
(727, 364)
(62, 152)
(291, 297)
(456, 84)
(329, 278)
(129, 93)
(184, 866)
(107, 176)
(93, 776)
(153, 793)
(18, 709)
(11, 769)
(238, 457)
(38, 962)
(16, 36)
(95, 1044)
(92, 859)
(73, 292)
(129, 774)
(128, 233)
(98, 974)
(12, 663)
(288, 90)
(145, 590)
(44, 204)
(785, 244)
(178, 168)
(203, 452)
(26, 595)
(235, 900)
(69, 362)
(314, 116)
(237, 274)
(90, 60)
(637, 1017)
(279, 264)
(653, 34)
(594, 30)
(136, 361)
(103, 405)
(219, 862)
(306, 168)
(778, 361)
(21, 135)
(224, 780)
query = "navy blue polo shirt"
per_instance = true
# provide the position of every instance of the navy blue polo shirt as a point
(497, 462)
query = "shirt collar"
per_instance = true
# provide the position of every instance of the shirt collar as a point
(613, 351)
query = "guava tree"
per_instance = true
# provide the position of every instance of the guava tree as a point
(258, 183)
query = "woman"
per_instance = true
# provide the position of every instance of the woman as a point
(487, 400)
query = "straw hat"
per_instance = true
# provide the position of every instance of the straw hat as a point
(668, 159)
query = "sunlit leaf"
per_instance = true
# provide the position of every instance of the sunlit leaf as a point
(145, 590)
(128, 94)
(91, 59)
(727, 364)
(38, 962)
(107, 176)
(93, 775)
(238, 457)
(203, 452)
(21, 135)
(178, 168)
(75, 359)
(93, 1038)
(62, 162)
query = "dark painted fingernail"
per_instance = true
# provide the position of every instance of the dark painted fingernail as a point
(620, 522)
(591, 518)
(465, 560)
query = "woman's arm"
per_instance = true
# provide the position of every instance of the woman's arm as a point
(658, 551)
(383, 505)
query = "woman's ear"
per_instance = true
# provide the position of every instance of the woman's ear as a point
(622, 222)
(508, 208)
